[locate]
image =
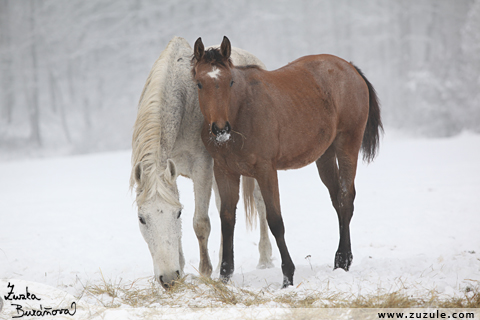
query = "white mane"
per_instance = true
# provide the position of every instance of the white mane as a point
(147, 131)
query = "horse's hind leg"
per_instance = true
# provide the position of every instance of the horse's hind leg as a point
(264, 245)
(340, 183)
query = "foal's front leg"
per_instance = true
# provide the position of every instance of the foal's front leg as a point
(228, 187)
(268, 182)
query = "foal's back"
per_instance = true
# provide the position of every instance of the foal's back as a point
(307, 103)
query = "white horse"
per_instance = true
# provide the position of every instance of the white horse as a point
(166, 143)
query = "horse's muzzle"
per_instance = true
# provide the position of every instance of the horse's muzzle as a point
(168, 282)
(225, 130)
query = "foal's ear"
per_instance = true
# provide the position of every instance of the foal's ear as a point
(226, 48)
(171, 171)
(198, 49)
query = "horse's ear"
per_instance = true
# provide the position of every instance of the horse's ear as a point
(138, 173)
(171, 171)
(226, 48)
(198, 49)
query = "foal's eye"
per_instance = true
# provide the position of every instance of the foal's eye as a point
(231, 83)
(179, 214)
(199, 85)
(142, 220)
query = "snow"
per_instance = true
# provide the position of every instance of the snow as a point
(70, 221)
(223, 137)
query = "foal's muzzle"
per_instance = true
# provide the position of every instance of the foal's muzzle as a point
(225, 130)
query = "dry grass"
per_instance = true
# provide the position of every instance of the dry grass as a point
(194, 291)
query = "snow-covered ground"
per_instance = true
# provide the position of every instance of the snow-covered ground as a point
(66, 222)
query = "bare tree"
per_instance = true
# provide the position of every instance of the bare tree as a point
(6, 62)
(34, 111)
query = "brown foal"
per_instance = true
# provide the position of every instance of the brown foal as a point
(318, 108)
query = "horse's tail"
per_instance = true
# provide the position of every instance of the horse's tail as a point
(371, 136)
(248, 201)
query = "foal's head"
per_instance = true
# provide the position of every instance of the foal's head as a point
(212, 71)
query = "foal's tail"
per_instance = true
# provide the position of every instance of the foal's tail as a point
(370, 143)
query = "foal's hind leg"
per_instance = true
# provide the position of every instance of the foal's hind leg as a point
(340, 183)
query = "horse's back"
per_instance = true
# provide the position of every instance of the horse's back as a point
(241, 57)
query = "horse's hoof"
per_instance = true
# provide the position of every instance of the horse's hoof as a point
(343, 260)
(205, 270)
(265, 265)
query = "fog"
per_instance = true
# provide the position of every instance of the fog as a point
(71, 72)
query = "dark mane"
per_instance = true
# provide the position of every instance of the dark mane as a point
(248, 66)
(214, 57)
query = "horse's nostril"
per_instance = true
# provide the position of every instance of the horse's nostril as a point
(165, 285)
(169, 284)
(228, 128)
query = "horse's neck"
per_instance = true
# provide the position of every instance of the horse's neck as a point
(181, 116)
(172, 105)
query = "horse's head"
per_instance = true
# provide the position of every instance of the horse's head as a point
(159, 213)
(212, 71)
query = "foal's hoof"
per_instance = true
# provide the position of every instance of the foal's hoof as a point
(287, 281)
(343, 260)
(225, 279)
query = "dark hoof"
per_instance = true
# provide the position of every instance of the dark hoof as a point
(226, 272)
(224, 279)
(287, 281)
(343, 260)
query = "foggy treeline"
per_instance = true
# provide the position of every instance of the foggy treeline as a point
(71, 72)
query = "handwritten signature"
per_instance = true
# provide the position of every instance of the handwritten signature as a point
(41, 311)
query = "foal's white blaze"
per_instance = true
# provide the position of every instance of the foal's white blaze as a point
(214, 73)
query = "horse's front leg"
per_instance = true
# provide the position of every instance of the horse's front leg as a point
(202, 186)
(268, 182)
(228, 187)
(264, 245)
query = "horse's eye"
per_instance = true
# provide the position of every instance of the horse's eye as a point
(179, 214)
(142, 220)
(231, 83)
(199, 85)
